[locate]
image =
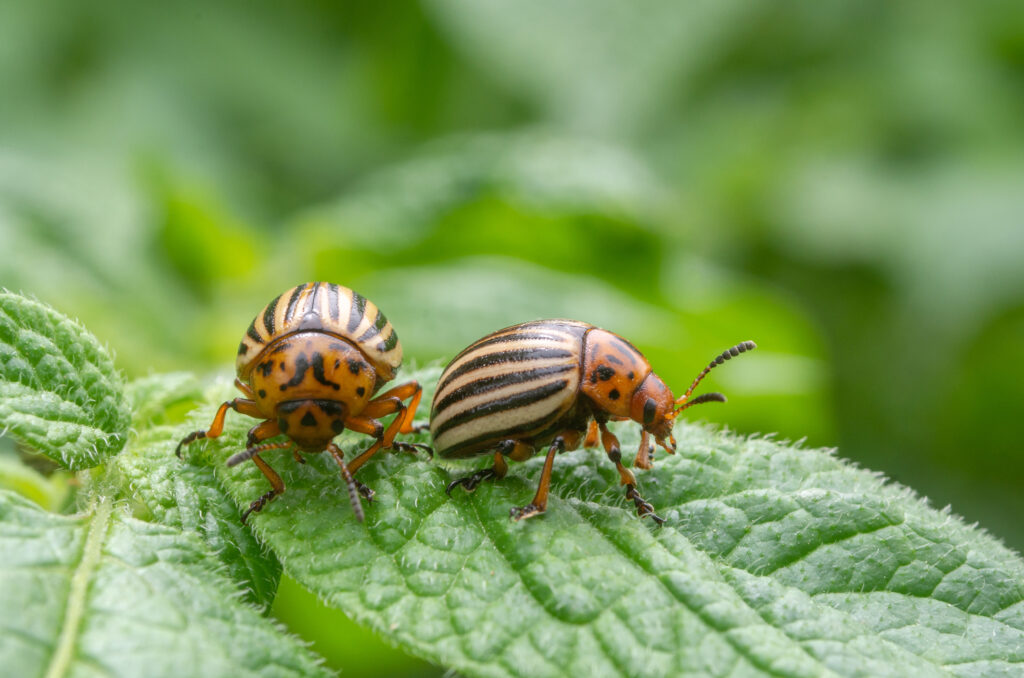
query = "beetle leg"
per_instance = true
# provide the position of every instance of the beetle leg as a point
(611, 447)
(643, 507)
(591, 439)
(497, 472)
(262, 431)
(410, 389)
(354, 488)
(645, 453)
(276, 484)
(540, 500)
(242, 405)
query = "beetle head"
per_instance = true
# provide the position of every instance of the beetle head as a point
(652, 407)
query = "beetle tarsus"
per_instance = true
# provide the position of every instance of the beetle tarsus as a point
(470, 482)
(191, 437)
(257, 506)
(518, 513)
(412, 448)
(365, 491)
(643, 507)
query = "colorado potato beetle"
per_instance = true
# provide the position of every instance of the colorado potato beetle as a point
(310, 366)
(541, 383)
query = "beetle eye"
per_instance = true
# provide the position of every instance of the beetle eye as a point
(650, 409)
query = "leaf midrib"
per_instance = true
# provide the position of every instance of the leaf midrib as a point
(99, 523)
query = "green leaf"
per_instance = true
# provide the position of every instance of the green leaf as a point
(59, 391)
(103, 594)
(173, 492)
(775, 561)
(189, 497)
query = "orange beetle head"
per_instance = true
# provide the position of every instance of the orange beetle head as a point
(652, 407)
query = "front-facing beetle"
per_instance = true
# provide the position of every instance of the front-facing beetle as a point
(541, 383)
(309, 366)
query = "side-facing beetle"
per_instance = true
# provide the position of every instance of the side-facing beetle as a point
(541, 383)
(309, 366)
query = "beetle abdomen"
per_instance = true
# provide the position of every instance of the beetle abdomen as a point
(516, 382)
(324, 307)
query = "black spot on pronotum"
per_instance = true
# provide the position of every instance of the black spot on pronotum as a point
(631, 376)
(308, 419)
(262, 393)
(614, 394)
(354, 365)
(650, 409)
(360, 391)
(604, 373)
(337, 426)
(265, 367)
(318, 372)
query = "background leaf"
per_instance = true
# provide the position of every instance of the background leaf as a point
(100, 593)
(775, 561)
(59, 391)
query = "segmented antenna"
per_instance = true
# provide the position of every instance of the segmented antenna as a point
(236, 459)
(742, 347)
(353, 493)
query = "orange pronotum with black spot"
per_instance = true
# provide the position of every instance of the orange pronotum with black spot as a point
(310, 365)
(548, 382)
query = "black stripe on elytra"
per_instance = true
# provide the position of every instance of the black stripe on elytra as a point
(292, 300)
(521, 336)
(356, 311)
(516, 355)
(388, 343)
(311, 304)
(516, 400)
(253, 334)
(536, 427)
(332, 302)
(268, 315)
(374, 329)
(488, 384)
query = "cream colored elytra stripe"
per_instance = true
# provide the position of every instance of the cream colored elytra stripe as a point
(540, 412)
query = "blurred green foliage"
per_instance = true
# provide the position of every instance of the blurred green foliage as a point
(838, 181)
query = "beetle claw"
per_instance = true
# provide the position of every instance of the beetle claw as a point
(643, 507)
(470, 482)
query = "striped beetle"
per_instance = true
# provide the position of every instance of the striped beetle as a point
(309, 366)
(541, 383)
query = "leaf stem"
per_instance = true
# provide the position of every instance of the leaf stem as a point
(102, 508)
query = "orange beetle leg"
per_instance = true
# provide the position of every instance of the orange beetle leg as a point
(242, 405)
(591, 439)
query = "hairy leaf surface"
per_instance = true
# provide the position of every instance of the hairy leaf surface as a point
(59, 391)
(103, 594)
(775, 561)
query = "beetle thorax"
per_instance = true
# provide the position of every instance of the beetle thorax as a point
(612, 370)
(310, 382)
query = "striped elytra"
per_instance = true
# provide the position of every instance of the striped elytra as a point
(310, 365)
(329, 308)
(549, 382)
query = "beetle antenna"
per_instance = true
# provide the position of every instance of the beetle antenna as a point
(681, 402)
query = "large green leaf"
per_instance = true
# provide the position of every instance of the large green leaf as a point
(102, 594)
(187, 496)
(59, 391)
(775, 561)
